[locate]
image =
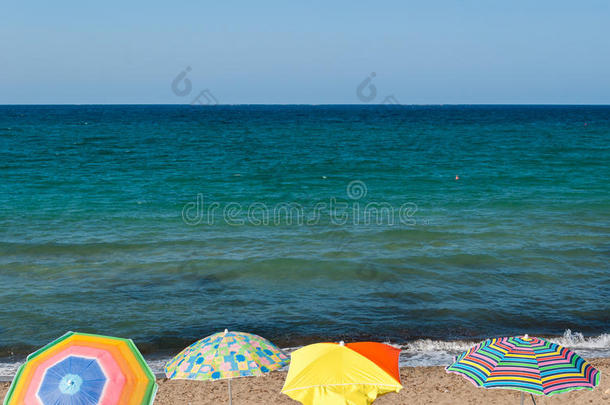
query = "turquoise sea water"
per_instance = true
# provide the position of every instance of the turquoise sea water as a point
(303, 223)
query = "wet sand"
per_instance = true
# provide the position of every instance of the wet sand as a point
(422, 385)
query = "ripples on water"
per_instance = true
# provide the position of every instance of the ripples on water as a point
(92, 236)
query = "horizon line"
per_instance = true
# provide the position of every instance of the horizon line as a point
(308, 104)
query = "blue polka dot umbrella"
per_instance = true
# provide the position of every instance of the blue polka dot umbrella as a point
(226, 355)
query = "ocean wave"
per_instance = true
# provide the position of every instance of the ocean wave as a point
(417, 353)
(594, 346)
(427, 352)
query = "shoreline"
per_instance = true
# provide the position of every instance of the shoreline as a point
(416, 353)
(422, 385)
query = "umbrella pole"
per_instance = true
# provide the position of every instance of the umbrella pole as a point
(522, 395)
(230, 396)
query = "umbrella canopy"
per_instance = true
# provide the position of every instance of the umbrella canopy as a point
(226, 355)
(338, 374)
(527, 364)
(84, 369)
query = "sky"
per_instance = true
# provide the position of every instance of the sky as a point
(308, 52)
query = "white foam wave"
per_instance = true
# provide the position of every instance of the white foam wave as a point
(423, 352)
(8, 370)
(427, 352)
(594, 346)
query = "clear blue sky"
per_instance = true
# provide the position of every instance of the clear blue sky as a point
(310, 52)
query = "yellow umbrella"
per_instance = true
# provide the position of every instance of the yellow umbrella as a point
(339, 374)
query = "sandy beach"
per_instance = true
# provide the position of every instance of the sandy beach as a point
(422, 385)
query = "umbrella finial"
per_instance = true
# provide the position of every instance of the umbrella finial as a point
(226, 331)
(342, 343)
(526, 336)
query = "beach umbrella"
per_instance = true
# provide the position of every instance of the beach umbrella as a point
(84, 369)
(226, 355)
(528, 364)
(342, 374)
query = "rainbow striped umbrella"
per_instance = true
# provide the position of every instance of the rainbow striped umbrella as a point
(226, 355)
(527, 364)
(84, 369)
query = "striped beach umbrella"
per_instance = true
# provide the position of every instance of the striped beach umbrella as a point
(528, 364)
(84, 369)
(226, 355)
(342, 374)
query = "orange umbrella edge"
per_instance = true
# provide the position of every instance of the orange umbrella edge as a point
(384, 355)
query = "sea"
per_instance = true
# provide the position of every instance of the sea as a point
(428, 227)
